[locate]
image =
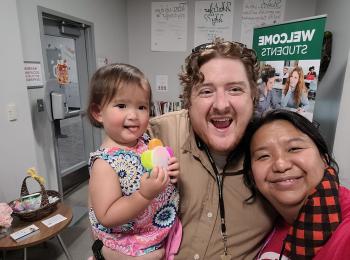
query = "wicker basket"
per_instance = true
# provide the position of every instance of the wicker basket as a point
(45, 207)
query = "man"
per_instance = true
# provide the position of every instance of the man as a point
(219, 81)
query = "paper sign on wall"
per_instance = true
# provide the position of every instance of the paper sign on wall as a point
(213, 19)
(169, 26)
(162, 83)
(260, 13)
(32, 73)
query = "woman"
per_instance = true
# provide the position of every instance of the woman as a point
(295, 91)
(268, 98)
(288, 162)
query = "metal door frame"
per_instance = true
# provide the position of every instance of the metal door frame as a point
(87, 40)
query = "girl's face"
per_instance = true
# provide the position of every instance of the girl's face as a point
(294, 78)
(126, 117)
(286, 164)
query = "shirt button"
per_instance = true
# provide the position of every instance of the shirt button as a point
(209, 214)
(196, 256)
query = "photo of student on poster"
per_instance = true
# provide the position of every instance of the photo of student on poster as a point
(293, 50)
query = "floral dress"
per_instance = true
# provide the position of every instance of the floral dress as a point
(148, 231)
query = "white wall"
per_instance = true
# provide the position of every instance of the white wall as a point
(16, 139)
(169, 63)
(342, 136)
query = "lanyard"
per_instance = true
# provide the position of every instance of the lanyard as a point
(219, 180)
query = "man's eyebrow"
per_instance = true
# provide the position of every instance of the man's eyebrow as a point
(240, 82)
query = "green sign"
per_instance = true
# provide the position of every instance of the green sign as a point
(298, 40)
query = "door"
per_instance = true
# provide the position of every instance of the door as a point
(65, 49)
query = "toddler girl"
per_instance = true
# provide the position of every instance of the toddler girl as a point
(131, 212)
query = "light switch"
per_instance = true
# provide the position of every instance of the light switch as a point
(12, 112)
(40, 105)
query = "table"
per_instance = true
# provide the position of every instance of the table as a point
(308, 115)
(46, 233)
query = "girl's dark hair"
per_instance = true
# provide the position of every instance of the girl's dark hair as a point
(106, 82)
(300, 123)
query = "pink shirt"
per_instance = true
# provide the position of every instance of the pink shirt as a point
(337, 247)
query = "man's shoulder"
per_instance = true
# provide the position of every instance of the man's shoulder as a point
(169, 117)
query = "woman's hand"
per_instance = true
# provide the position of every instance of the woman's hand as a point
(110, 254)
(300, 110)
(151, 185)
(173, 169)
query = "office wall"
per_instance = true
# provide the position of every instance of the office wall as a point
(16, 139)
(330, 88)
(334, 93)
(30, 137)
(169, 63)
(342, 136)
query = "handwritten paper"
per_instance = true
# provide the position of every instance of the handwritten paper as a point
(169, 26)
(213, 19)
(259, 13)
(49, 222)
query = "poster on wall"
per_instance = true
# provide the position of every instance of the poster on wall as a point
(32, 73)
(169, 26)
(213, 19)
(257, 13)
(293, 50)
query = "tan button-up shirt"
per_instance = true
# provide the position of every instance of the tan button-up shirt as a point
(247, 224)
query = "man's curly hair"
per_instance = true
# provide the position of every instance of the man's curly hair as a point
(190, 75)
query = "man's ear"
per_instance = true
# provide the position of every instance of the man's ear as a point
(96, 113)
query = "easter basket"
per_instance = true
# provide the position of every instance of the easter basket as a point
(47, 204)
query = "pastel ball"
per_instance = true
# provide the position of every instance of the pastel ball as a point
(146, 159)
(154, 143)
(160, 157)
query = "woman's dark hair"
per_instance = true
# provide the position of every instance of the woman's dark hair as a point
(300, 123)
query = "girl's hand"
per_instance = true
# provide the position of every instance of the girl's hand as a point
(151, 185)
(173, 169)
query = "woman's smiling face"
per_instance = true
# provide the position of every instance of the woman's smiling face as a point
(286, 164)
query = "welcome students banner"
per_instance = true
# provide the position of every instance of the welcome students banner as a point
(293, 48)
